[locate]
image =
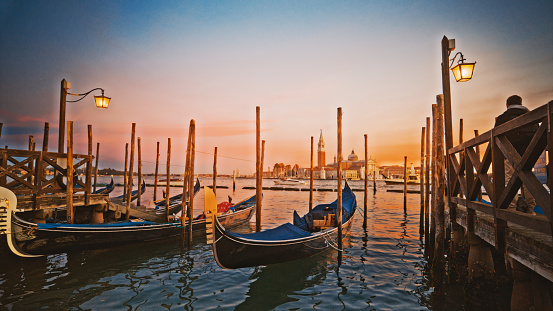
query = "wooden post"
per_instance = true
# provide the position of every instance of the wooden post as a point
(191, 179)
(125, 174)
(69, 187)
(155, 175)
(168, 184)
(233, 181)
(432, 233)
(45, 139)
(478, 155)
(88, 189)
(439, 259)
(374, 179)
(258, 169)
(31, 164)
(185, 184)
(131, 165)
(427, 185)
(63, 95)
(138, 201)
(405, 184)
(366, 197)
(446, 94)
(339, 171)
(96, 170)
(215, 172)
(311, 178)
(460, 131)
(421, 221)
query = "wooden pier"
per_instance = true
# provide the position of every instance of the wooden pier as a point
(524, 240)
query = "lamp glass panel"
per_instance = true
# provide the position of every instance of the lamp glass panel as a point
(102, 101)
(466, 71)
(457, 72)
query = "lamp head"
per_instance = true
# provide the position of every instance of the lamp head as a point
(462, 71)
(102, 101)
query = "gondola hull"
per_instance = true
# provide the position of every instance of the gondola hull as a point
(311, 234)
(232, 252)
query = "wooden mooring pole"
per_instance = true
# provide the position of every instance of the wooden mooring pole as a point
(438, 265)
(184, 204)
(125, 173)
(168, 178)
(96, 170)
(191, 179)
(427, 185)
(215, 172)
(429, 250)
(311, 178)
(69, 187)
(156, 173)
(421, 220)
(45, 137)
(88, 189)
(131, 165)
(366, 192)
(405, 184)
(138, 200)
(339, 171)
(258, 167)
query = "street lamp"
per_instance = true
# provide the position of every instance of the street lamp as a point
(101, 102)
(462, 71)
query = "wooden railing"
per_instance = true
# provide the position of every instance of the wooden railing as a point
(470, 171)
(25, 173)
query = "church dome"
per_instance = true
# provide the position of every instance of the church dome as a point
(353, 157)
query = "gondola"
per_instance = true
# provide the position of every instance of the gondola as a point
(134, 194)
(27, 239)
(311, 234)
(175, 201)
(107, 189)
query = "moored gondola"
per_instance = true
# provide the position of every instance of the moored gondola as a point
(28, 239)
(311, 234)
(107, 189)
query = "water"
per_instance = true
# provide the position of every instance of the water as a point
(382, 267)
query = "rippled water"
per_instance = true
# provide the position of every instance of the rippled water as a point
(382, 267)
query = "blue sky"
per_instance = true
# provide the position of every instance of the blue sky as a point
(164, 63)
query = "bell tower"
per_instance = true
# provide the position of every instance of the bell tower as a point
(321, 161)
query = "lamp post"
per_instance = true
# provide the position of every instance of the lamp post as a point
(101, 102)
(462, 72)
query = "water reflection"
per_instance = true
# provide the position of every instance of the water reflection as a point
(275, 285)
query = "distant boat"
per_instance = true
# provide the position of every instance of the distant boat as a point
(412, 179)
(289, 182)
(107, 189)
(175, 202)
(173, 182)
(134, 194)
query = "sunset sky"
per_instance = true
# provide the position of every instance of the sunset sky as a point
(167, 62)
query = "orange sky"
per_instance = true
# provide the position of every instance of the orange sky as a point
(167, 63)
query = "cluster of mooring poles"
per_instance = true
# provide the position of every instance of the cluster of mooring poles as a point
(188, 183)
(432, 208)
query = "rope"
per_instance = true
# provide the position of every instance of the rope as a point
(362, 212)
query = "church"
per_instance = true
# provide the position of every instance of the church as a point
(352, 168)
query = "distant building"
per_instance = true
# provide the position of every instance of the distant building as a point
(352, 168)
